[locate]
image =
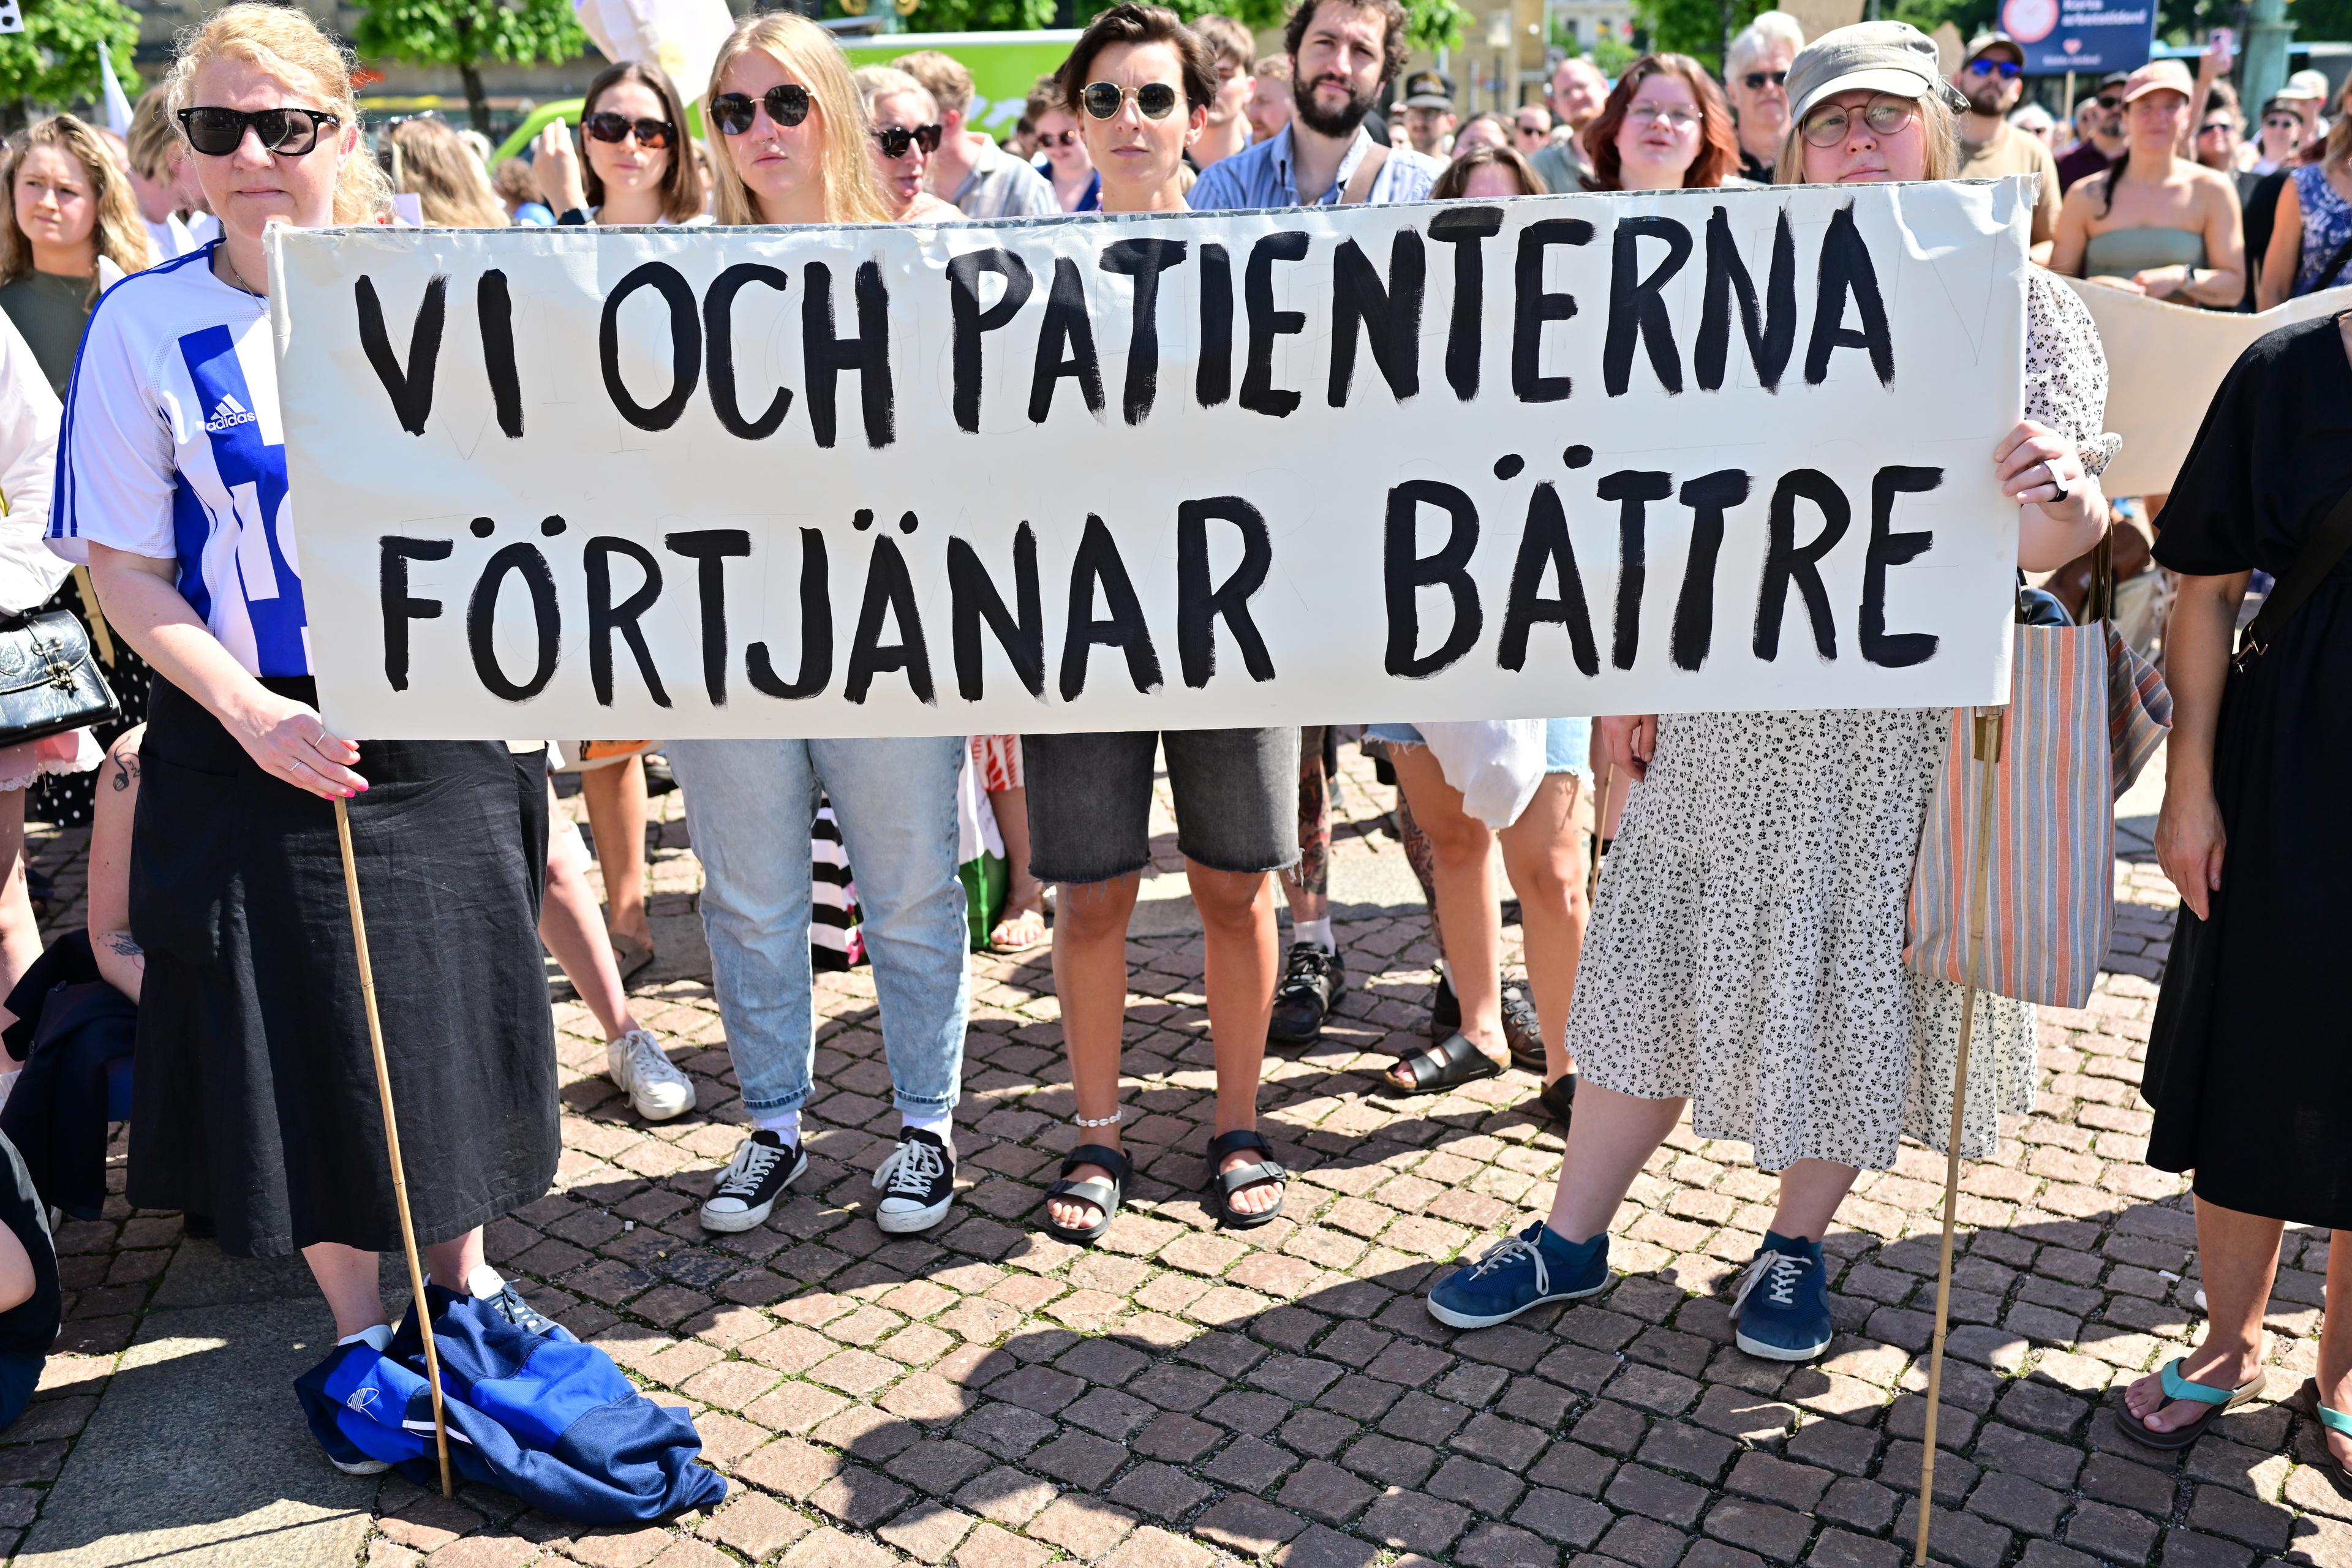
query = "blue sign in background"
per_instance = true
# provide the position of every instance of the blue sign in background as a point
(2089, 35)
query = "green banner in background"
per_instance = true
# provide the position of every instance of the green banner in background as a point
(1004, 66)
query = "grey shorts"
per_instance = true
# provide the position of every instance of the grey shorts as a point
(1091, 800)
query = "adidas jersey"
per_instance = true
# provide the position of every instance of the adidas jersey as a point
(172, 449)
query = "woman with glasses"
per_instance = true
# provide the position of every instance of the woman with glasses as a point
(790, 144)
(2311, 237)
(907, 131)
(1063, 153)
(1665, 127)
(1141, 83)
(632, 127)
(2154, 222)
(255, 1100)
(1745, 958)
(1756, 80)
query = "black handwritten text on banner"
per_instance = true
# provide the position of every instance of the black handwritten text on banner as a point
(1577, 454)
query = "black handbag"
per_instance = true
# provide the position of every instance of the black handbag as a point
(49, 682)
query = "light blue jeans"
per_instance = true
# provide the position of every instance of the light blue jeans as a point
(748, 805)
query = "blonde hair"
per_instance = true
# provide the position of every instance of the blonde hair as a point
(286, 43)
(852, 193)
(877, 82)
(154, 141)
(436, 167)
(947, 79)
(1936, 119)
(115, 231)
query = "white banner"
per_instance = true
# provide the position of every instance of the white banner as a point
(1565, 455)
(2165, 363)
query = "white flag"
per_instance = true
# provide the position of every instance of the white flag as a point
(118, 107)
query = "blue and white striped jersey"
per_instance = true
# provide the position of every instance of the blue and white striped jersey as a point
(172, 449)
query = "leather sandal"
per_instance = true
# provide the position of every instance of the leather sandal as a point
(1560, 1098)
(1105, 1196)
(1522, 1028)
(2217, 1403)
(1449, 1064)
(2307, 1400)
(1223, 1184)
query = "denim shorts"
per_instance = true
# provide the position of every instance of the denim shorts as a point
(1091, 800)
(1568, 744)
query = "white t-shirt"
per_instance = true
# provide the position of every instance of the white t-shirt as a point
(172, 449)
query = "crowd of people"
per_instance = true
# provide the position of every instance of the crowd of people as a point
(1743, 965)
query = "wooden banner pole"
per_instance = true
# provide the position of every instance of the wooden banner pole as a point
(1988, 725)
(392, 1141)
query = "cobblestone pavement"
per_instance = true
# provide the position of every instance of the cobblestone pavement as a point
(1180, 1397)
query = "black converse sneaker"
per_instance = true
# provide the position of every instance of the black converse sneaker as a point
(763, 1166)
(917, 1184)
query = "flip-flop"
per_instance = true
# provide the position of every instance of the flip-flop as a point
(1029, 925)
(2308, 1401)
(1105, 1196)
(2217, 1402)
(1224, 1185)
(630, 956)
(1449, 1064)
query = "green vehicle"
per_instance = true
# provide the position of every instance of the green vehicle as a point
(1004, 66)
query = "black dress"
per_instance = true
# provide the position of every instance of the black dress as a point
(253, 1094)
(2249, 1061)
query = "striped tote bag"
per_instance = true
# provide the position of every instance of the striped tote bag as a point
(2052, 823)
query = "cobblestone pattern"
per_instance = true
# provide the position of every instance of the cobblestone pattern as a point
(1181, 1398)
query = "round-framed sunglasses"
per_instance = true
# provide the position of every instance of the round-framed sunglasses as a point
(1059, 138)
(605, 125)
(290, 132)
(894, 140)
(1884, 115)
(1154, 99)
(787, 102)
(2005, 70)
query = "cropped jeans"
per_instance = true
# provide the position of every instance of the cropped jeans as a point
(750, 805)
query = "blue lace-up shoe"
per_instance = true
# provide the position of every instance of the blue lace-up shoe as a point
(1782, 1305)
(1518, 1273)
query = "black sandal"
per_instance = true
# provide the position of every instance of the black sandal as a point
(1105, 1196)
(1223, 1184)
(1560, 1098)
(1449, 1064)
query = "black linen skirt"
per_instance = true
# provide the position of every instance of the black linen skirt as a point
(254, 1095)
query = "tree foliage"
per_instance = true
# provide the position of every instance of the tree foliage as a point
(54, 61)
(467, 34)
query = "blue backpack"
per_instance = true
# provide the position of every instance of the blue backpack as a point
(542, 1416)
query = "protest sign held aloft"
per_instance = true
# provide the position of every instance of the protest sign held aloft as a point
(1722, 450)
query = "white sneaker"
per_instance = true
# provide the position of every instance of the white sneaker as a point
(919, 1183)
(653, 1083)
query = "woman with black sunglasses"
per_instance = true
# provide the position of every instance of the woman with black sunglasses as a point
(631, 125)
(1062, 150)
(255, 1099)
(905, 133)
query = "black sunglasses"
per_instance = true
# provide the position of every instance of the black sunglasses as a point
(605, 125)
(894, 140)
(2108, 104)
(2282, 122)
(1756, 80)
(291, 132)
(1059, 138)
(2005, 70)
(1157, 99)
(788, 104)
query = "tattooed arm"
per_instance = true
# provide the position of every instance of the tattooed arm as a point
(118, 954)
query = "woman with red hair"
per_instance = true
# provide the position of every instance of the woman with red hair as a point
(1665, 127)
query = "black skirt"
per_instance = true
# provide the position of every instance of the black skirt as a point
(254, 1097)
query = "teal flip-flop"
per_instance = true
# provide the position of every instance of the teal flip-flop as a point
(2217, 1402)
(2307, 1400)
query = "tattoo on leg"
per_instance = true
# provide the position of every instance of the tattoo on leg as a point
(1422, 859)
(1313, 872)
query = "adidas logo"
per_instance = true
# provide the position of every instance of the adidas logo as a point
(228, 414)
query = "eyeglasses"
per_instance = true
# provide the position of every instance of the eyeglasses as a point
(1059, 138)
(1155, 100)
(2109, 104)
(894, 140)
(2217, 128)
(1672, 119)
(2006, 69)
(1883, 115)
(1529, 127)
(788, 103)
(2282, 122)
(605, 125)
(289, 133)
(1757, 80)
